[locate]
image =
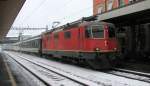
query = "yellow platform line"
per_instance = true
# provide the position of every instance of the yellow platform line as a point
(13, 82)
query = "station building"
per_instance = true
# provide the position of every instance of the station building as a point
(100, 6)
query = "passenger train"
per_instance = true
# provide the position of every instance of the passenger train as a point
(91, 42)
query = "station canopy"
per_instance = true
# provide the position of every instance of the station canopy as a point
(8, 12)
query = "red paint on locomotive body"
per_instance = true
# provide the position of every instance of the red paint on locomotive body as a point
(74, 39)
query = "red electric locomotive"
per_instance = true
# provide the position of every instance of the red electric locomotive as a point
(91, 42)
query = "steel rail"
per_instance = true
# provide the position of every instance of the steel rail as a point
(47, 84)
(75, 80)
(117, 72)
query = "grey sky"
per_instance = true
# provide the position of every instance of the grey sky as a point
(39, 13)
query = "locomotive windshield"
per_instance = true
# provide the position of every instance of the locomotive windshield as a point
(95, 31)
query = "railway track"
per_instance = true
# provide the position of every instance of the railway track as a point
(89, 77)
(22, 75)
(55, 74)
(145, 77)
(133, 72)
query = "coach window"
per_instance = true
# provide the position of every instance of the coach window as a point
(67, 35)
(35, 44)
(31, 44)
(25, 45)
(28, 44)
(97, 31)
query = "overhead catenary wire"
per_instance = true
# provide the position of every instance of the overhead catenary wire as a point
(38, 7)
(33, 11)
(74, 14)
(66, 4)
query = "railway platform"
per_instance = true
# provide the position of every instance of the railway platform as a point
(13, 74)
(6, 77)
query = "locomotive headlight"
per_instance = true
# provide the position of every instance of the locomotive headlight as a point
(97, 49)
(115, 48)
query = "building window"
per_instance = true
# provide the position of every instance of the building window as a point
(110, 5)
(132, 1)
(100, 9)
(67, 35)
(121, 2)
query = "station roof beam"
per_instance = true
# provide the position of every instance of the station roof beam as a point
(8, 12)
(137, 11)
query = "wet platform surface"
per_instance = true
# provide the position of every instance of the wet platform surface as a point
(5, 76)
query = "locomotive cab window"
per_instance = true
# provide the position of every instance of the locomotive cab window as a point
(97, 31)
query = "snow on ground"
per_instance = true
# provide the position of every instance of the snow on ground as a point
(22, 76)
(46, 75)
(93, 75)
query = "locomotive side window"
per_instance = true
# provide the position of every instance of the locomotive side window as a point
(111, 31)
(67, 35)
(97, 31)
(88, 32)
(56, 36)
